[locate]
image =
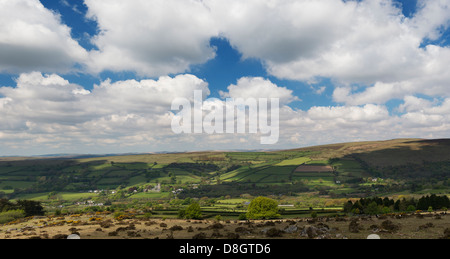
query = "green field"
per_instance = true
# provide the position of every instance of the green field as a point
(365, 168)
(294, 162)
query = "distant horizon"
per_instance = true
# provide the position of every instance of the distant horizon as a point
(89, 155)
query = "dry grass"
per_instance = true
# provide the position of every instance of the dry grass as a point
(427, 226)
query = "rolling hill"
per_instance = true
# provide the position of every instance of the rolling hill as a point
(338, 170)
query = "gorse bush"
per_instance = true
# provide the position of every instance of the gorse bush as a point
(11, 215)
(10, 211)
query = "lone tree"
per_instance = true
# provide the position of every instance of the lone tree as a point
(31, 208)
(193, 211)
(263, 208)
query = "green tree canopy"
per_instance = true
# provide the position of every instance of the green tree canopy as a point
(263, 208)
(193, 211)
(31, 208)
(372, 209)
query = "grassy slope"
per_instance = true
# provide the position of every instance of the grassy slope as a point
(255, 167)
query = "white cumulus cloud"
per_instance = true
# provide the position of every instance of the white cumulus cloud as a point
(45, 112)
(152, 38)
(258, 87)
(34, 38)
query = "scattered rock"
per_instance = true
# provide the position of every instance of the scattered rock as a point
(130, 227)
(425, 226)
(321, 231)
(340, 236)
(113, 234)
(373, 236)
(310, 231)
(389, 226)
(35, 237)
(216, 234)
(446, 234)
(73, 236)
(354, 226)
(274, 232)
(232, 236)
(242, 230)
(60, 236)
(291, 229)
(200, 235)
(269, 224)
(176, 228)
(216, 226)
(374, 228)
(133, 234)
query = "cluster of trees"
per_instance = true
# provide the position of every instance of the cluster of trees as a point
(31, 208)
(433, 201)
(378, 205)
(10, 211)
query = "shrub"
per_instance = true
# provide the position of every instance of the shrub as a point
(11, 215)
(411, 208)
(106, 224)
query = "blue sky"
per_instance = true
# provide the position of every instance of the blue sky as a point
(219, 72)
(351, 70)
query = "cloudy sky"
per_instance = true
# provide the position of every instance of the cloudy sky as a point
(99, 76)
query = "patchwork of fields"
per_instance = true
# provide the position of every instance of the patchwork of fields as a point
(341, 170)
(28, 177)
